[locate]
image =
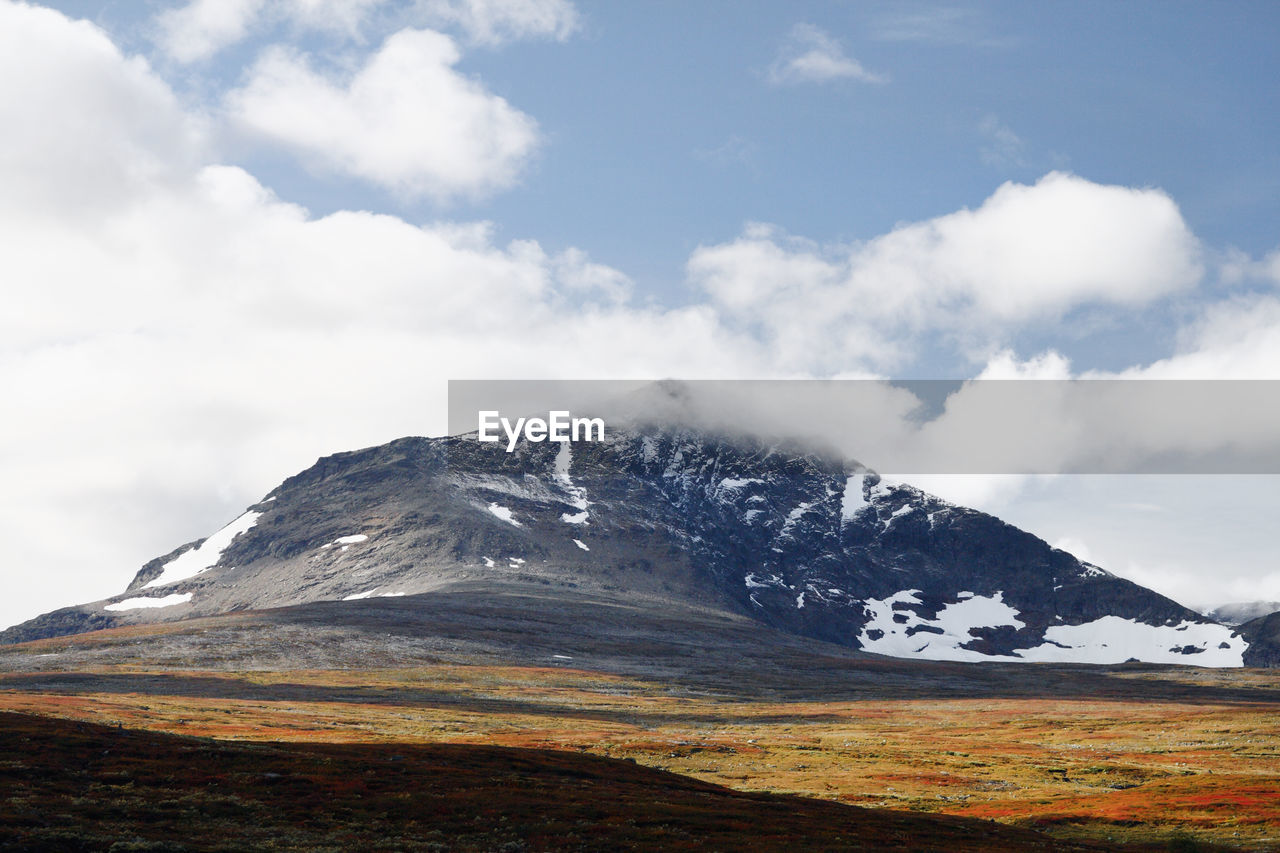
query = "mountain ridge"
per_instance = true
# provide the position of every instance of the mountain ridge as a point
(799, 539)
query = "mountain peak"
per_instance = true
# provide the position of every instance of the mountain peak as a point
(799, 539)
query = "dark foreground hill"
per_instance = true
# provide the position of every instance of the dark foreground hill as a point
(78, 786)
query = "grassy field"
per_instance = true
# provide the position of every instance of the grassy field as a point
(1169, 773)
(68, 785)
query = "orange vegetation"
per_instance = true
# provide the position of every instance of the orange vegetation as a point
(1126, 770)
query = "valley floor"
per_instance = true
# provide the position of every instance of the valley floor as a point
(76, 786)
(1159, 757)
(1116, 771)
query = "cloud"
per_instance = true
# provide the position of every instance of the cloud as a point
(1075, 548)
(406, 121)
(199, 30)
(734, 151)
(1205, 544)
(1236, 267)
(1235, 338)
(1001, 146)
(337, 16)
(84, 126)
(945, 26)
(495, 22)
(1029, 254)
(181, 339)
(581, 276)
(809, 55)
(1185, 584)
(1047, 365)
(991, 493)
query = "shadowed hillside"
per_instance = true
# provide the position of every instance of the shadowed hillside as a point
(80, 786)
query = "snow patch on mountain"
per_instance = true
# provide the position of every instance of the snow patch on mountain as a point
(734, 484)
(205, 557)
(898, 513)
(577, 494)
(860, 489)
(370, 593)
(351, 540)
(504, 513)
(853, 501)
(581, 544)
(751, 581)
(1112, 639)
(527, 487)
(794, 516)
(140, 603)
(893, 628)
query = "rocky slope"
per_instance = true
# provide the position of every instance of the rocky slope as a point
(1263, 636)
(802, 541)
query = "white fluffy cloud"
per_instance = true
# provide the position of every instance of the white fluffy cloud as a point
(177, 339)
(1006, 365)
(400, 117)
(1026, 255)
(406, 121)
(1238, 338)
(83, 125)
(810, 55)
(191, 339)
(200, 29)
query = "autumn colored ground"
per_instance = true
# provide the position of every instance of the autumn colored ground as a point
(1172, 774)
(67, 785)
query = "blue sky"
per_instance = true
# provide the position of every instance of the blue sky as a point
(660, 129)
(245, 233)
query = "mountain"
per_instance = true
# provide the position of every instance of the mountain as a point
(1240, 612)
(666, 519)
(1263, 636)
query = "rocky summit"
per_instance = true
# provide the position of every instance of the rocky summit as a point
(802, 541)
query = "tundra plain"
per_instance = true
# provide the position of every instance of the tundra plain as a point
(1152, 756)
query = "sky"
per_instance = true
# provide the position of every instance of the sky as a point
(236, 235)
